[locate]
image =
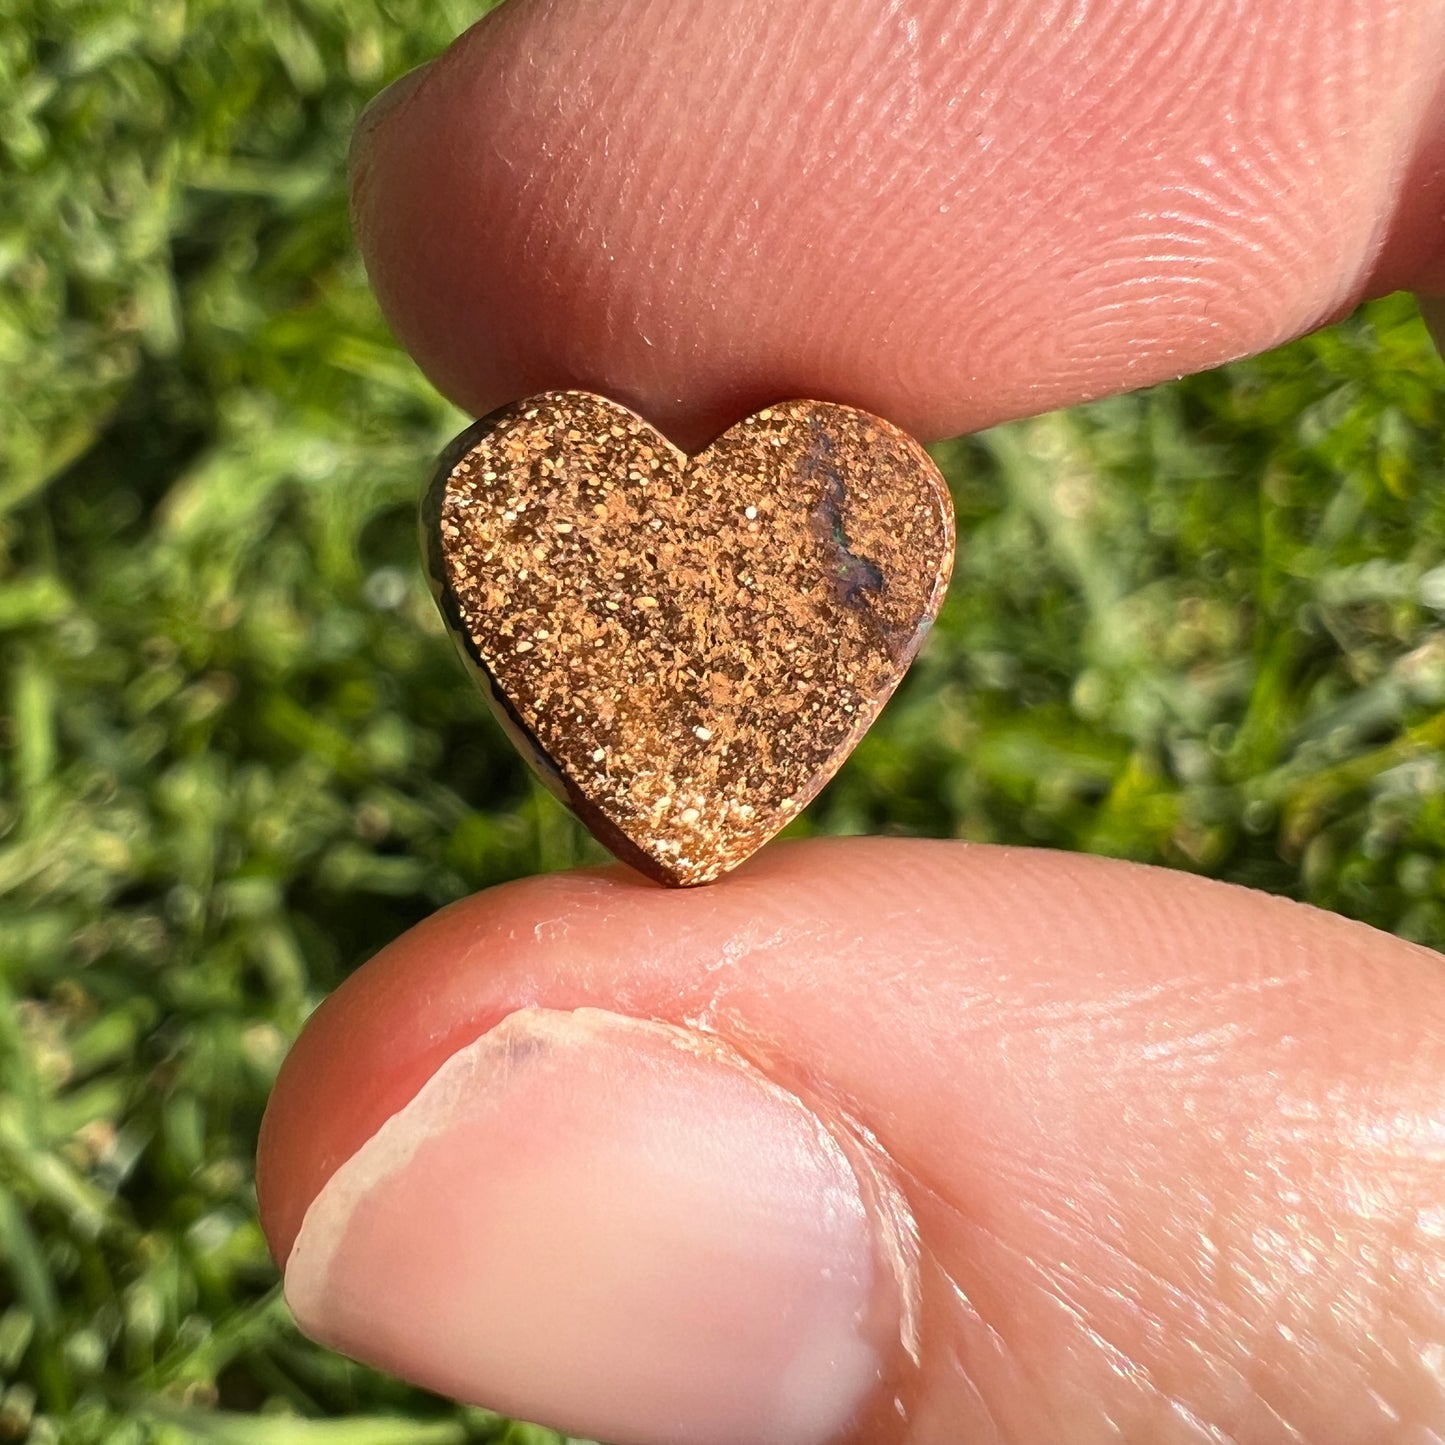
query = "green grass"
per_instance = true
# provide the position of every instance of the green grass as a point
(1199, 626)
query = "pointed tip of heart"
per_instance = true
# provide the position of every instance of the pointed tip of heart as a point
(685, 648)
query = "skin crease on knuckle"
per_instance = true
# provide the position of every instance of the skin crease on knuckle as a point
(1169, 1150)
(948, 213)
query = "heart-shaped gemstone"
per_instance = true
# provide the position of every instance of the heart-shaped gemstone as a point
(686, 648)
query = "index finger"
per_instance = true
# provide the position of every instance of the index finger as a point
(946, 213)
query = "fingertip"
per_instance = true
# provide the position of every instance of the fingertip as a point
(946, 219)
(384, 104)
(1118, 1106)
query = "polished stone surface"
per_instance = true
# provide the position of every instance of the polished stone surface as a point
(687, 648)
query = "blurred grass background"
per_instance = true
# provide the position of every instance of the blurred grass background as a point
(1199, 626)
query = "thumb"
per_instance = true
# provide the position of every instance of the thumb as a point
(882, 1142)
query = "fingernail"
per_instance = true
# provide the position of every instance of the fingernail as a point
(613, 1227)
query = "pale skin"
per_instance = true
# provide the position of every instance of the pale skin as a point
(1016, 1147)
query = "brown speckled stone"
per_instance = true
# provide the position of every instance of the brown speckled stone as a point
(687, 648)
